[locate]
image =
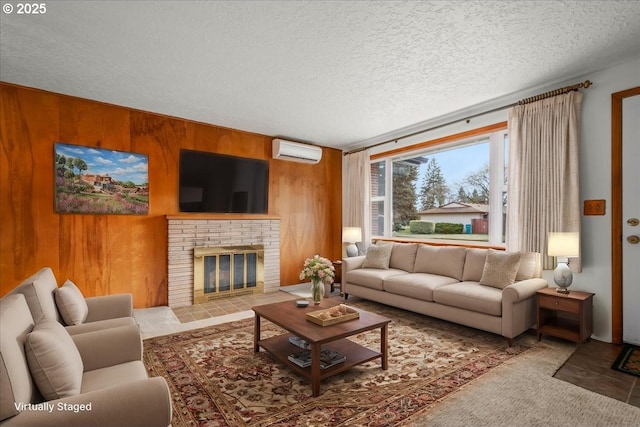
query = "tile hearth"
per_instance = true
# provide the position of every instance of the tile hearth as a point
(226, 306)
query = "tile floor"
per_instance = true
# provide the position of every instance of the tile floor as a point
(589, 367)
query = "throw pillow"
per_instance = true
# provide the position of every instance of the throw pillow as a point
(54, 360)
(500, 269)
(71, 304)
(378, 257)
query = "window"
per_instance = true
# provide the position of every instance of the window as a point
(456, 190)
(378, 191)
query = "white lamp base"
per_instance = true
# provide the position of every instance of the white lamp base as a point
(563, 277)
(352, 250)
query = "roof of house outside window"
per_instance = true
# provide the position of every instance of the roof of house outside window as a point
(457, 208)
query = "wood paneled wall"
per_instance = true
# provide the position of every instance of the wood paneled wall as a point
(106, 254)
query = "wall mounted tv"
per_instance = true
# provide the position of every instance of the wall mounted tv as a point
(217, 183)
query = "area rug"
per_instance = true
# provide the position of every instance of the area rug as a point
(217, 380)
(628, 360)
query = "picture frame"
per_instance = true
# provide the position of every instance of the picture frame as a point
(91, 180)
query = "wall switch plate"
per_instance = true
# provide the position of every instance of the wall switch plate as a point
(595, 207)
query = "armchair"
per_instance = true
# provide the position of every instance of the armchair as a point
(51, 378)
(45, 299)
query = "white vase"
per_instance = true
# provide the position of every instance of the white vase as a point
(327, 290)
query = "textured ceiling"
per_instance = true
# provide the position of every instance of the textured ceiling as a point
(328, 72)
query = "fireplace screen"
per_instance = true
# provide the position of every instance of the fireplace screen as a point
(227, 271)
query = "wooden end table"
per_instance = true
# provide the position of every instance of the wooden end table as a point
(568, 316)
(337, 265)
(293, 319)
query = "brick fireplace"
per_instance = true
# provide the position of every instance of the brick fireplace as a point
(187, 234)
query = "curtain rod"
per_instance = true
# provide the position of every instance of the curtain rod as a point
(529, 100)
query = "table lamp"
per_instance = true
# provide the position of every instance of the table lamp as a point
(563, 246)
(352, 235)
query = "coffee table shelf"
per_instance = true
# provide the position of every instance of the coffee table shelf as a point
(333, 337)
(280, 348)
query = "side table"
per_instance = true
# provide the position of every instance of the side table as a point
(338, 279)
(568, 316)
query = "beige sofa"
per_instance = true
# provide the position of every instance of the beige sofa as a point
(482, 288)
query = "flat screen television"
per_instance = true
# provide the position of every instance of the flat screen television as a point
(218, 183)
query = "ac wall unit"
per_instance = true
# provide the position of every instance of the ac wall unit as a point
(295, 151)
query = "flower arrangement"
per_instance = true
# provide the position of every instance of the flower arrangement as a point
(318, 269)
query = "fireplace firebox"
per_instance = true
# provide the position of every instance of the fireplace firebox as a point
(221, 272)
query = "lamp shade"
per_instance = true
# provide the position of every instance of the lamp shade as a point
(566, 244)
(351, 234)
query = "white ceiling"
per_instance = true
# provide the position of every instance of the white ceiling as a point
(335, 73)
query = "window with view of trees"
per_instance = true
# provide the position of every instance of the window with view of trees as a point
(453, 192)
(378, 187)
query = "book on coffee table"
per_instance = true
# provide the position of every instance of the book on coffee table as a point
(299, 342)
(328, 358)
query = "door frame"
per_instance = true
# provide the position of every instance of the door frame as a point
(616, 211)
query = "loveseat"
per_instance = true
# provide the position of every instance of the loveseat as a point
(90, 374)
(482, 288)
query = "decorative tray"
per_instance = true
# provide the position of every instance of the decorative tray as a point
(331, 316)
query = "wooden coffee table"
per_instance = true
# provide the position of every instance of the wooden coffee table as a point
(293, 319)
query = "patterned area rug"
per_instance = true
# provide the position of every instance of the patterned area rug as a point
(217, 380)
(628, 360)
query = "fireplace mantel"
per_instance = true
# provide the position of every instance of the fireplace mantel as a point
(232, 216)
(187, 232)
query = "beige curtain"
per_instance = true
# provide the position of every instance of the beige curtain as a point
(543, 188)
(357, 212)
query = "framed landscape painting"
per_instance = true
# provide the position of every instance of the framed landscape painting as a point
(98, 181)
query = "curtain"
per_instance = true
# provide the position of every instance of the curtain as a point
(357, 212)
(543, 187)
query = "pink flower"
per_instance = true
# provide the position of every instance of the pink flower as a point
(318, 268)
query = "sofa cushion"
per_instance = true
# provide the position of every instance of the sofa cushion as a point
(441, 260)
(54, 360)
(474, 264)
(530, 266)
(470, 296)
(38, 290)
(378, 256)
(500, 269)
(16, 384)
(416, 285)
(71, 304)
(403, 256)
(372, 277)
